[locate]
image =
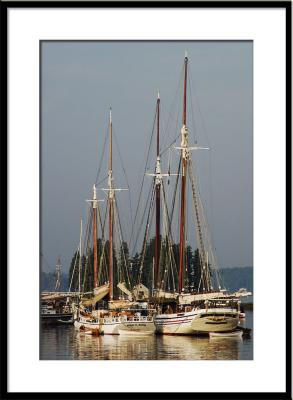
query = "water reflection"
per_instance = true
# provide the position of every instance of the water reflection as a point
(200, 348)
(114, 347)
(64, 342)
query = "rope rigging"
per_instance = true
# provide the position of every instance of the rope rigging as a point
(142, 183)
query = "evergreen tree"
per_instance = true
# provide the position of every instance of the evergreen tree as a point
(147, 270)
(134, 264)
(198, 284)
(73, 280)
(188, 267)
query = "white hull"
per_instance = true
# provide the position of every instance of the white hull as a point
(110, 326)
(138, 327)
(107, 326)
(197, 322)
(175, 324)
(235, 334)
(88, 325)
(118, 325)
(216, 320)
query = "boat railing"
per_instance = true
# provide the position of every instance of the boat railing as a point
(125, 318)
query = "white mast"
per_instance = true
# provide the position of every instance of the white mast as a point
(80, 255)
(94, 202)
(58, 274)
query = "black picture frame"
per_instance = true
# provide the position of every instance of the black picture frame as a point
(5, 6)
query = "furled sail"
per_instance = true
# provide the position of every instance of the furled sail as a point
(99, 293)
(189, 298)
(123, 288)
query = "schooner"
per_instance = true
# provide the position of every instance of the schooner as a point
(181, 311)
(117, 315)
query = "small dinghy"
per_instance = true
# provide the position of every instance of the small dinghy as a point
(224, 335)
(92, 331)
(66, 321)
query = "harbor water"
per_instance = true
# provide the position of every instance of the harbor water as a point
(64, 342)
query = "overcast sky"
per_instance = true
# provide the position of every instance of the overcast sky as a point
(81, 80)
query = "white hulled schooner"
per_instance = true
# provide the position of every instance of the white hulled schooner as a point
(119, 316)
(184, 312)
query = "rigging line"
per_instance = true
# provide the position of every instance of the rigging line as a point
(205, 223)
(200, 210)
(143, 216)
(171, 255)
(121, 238)
(141, 187)
(102, 243)
(192, 111)
(124, 171)
(150, 212)
(187, 242)
(200, 113)
(74, 266)
(103, 153)
(87, 244)
(173, 104)
(211, 196)
(198, 231)
(174, 140)
(170, 145)
(99, 250)
(209, 145)
(103, 180)
(149, 219)
(85, 270)
(105, 253)
(199, 283)
(101, 271)
(169, 231)
(175, 191)
(116, 247)
(169, 240)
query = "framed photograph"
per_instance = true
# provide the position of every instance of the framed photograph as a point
(149, 199)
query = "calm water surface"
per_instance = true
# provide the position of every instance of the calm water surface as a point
(61, 342)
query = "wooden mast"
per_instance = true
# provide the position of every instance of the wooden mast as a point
(95, 237)
(184, 145)
(158, 204)
(111, 195)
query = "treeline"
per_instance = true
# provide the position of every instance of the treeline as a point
(140, 269)
(81, 275)
(136, 269)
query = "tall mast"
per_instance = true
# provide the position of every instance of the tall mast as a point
(111, 197)
(58, 274)
(158, 203)
(94, 202)
(80, 255)
(95, 236)
(158, 183)
(111, 190)
(184, 150)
